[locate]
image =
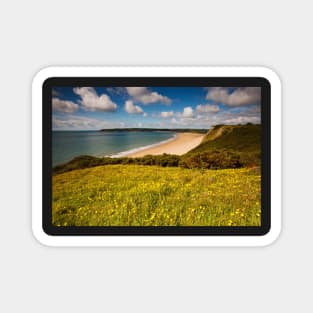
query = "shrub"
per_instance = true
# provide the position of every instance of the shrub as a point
(212, 160)
(206, 160)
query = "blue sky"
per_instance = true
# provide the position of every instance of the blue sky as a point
(88, 108)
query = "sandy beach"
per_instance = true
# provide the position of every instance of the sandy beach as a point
(180, 145)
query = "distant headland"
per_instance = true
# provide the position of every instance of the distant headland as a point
(176, 130)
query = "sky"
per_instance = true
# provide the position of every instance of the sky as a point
(89, 108)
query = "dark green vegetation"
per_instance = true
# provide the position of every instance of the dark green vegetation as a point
(86, 161)
(230, 146)
(222, 147)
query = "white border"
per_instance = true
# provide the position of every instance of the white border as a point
(125, 241)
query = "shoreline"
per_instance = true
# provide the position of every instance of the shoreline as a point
(180, 144)
(142, 148)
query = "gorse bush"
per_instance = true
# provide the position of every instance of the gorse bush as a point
(86, 161)
(212, 160)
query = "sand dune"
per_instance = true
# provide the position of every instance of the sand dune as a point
(180, 145)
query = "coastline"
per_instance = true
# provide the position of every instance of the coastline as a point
(180, 144)
(142, 148)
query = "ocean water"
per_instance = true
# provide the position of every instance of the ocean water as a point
(69, 144)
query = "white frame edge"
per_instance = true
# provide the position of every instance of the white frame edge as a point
(157, 241)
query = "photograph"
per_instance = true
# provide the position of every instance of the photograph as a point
(156, 156)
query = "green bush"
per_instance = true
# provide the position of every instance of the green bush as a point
(212, 160)
(86, 161)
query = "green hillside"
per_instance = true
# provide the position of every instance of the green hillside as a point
(240, 138)
(236, 141)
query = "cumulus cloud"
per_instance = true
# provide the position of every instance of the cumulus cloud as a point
(64, 105)
(146, 96)
(90, 101)
(167, 114)
(207, 108)
(242, 120)
(232, 116)
(72, 122)
(240, 96)
(188, 112)
(132, 109)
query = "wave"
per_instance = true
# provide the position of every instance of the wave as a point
(131, 151)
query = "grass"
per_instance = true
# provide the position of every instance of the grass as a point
(244, 140)
(166, 190)
(241, 138)
(138, 195)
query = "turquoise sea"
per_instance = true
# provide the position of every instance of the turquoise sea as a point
(69, 144)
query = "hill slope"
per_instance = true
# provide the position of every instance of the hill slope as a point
(238, 138)
(244, 140)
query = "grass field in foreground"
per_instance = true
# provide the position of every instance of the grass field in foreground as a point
(135, 195)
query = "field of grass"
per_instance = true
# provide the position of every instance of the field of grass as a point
(138, 195)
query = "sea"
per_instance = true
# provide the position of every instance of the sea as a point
(69, 144)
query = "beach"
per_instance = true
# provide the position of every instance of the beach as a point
(182, 143)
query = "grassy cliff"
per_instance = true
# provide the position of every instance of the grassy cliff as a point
(240, 138)
(239, 143)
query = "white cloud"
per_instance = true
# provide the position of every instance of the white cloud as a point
(232, 116)
(207, 108)
(241, 96)
(146, 96)
(167, 114)
(131, 108)
(242, 120)
(188, 112)
(90, 101)
(64, 105)
(72, 122)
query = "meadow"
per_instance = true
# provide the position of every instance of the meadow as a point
(139, 195)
